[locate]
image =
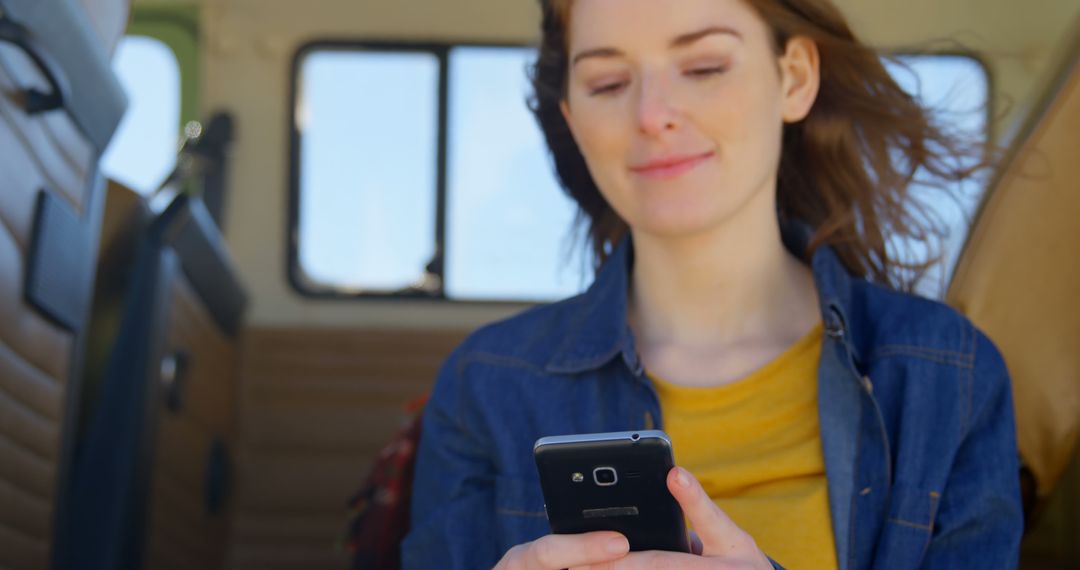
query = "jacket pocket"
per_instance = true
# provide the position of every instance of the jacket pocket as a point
(908, 528)
(519, 511)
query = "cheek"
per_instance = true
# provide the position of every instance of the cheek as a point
(746, 122)
(601, 136)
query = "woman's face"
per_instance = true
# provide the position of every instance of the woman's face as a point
(678, 108)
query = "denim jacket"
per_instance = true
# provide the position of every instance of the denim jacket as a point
(915, 411)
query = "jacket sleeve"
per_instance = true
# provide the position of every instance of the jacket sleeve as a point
(452, 512)
(980, 518)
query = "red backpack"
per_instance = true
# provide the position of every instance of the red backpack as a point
(380, 509)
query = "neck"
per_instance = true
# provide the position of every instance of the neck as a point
(732, 284)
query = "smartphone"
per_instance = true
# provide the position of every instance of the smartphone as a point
(612, 481)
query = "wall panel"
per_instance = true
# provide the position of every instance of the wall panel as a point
(316, 406)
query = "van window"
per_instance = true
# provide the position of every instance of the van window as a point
(143, 151)
(418, 170)
(508, 222)
(368, 136)
(956, 88)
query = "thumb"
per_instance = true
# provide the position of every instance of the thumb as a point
(716, 530)
(695, 544)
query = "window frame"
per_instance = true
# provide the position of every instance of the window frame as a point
(441, 50)
(295, 274)
(178, 28)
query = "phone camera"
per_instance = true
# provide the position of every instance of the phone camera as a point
(605, 476)
(635, 436)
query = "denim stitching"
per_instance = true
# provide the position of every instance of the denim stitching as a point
(968, 404)
(930, 511)
(903, 522)
(959, 357)
(907, 351)
(497, 360)
(854, 504)
(966, 355)
(930, 507)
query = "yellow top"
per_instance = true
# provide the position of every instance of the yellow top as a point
(755, 445)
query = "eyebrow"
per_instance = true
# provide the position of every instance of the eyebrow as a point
(680, 41)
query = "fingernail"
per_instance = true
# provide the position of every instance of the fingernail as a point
(618, 545)
(682, 478)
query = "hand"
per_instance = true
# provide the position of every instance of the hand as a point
(723, 545)
(558, 551)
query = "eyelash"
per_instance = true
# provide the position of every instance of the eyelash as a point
(607, 89)
(707, 71)
(700, 73)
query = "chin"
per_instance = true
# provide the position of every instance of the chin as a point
(697, 214)
(687, 224)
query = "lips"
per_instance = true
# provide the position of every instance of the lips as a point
(671, 166)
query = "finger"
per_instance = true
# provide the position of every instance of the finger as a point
(556, 551)
(695, 544)
(713, 526)
(610, 565)
(652, 559)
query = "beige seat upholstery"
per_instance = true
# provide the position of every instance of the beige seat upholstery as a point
(59, 105)
(1019, 278)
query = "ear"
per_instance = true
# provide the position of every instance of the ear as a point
(800, 77)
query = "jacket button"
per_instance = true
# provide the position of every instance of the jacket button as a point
(834, 330)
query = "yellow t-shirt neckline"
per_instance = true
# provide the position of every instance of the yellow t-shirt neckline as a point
(755, 445)
(689, 395)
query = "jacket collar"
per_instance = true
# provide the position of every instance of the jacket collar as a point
(599, 331)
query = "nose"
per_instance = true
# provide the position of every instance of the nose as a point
(657, 112)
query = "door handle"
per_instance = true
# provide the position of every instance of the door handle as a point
(34, 100)
(174, 371)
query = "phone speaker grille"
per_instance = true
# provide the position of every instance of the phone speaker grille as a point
(610, 512)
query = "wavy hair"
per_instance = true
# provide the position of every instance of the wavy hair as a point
(847, 169)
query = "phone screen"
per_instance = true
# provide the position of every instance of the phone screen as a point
(612, 481)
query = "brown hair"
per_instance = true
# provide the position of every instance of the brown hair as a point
(846, 169)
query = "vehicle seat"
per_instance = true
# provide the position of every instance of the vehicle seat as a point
(59, 106)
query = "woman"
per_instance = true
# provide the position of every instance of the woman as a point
(741, 164)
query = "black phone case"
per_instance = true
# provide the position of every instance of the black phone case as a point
(638, 505)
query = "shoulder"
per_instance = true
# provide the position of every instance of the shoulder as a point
(526, 339)
(926, 341)
(504, 361)
(895, 323)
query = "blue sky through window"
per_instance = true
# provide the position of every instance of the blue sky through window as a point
(509, 224)
(369, 127)
(143, 151)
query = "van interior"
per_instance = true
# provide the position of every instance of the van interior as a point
(239, 237)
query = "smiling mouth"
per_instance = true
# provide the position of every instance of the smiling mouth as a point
(668, 168)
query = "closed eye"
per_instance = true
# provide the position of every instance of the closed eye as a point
(608, 89)
(706, 71)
